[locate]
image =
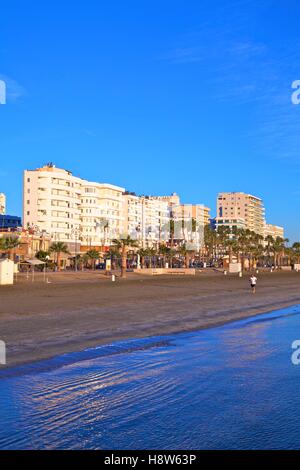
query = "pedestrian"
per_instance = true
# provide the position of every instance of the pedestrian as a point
(253, 281)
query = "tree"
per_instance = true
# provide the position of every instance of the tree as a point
(278, 249)
(58, 248)
(113, 254)
(42, 255)
(163, 250)
(186, 253)
(172, 230)
(93, 255)
(296, 250)
(269, 245)
(171, 254)
(9, 244)
(210, 241)
(123, 245)
(151, 253)
(231, 247)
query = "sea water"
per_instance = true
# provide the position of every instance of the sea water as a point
(230, 387)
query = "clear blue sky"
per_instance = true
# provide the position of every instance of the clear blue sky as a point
(156, 96)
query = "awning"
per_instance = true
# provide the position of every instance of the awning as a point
(33, 262)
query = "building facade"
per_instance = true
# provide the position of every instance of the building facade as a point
(273, 231)
(88, 215)
(70, 209)
(52, 202)
(10, 222)
(101, 218)
(241, 206)
(2, 204)
(231, 223)
(189, 223)
(146, 218)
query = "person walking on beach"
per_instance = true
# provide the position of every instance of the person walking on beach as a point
(253, 281)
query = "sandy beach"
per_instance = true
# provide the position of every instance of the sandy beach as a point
(74, 311)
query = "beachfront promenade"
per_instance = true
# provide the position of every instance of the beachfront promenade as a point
(73, 311)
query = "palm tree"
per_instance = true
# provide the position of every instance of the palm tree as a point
(255, 248)
(186, 253)
(42, 255)
(278, 249)
(151, 253)
(113, 253)
(93, 255)
(163, 250)
(172, 230)
(269, 247)
(9, 244)
(296, 250)
(231, 248)
(243, 237)
(210, 241)
(171, 254)
(143, 253)
(59, 248)
(123, 245)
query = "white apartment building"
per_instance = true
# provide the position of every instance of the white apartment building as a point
(71, 209)
(273, 231)
(230, 223)
(146, 218)
(189, 223)
(238, 205)
(89, 214)
(101, 218)
(156, 220)
(52, 201)
(2, 204)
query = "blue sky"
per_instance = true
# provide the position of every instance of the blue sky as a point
(155, 96)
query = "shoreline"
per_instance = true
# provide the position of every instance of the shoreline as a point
(49, 363)
(78, 314)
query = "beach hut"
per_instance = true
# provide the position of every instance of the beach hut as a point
(7, 268)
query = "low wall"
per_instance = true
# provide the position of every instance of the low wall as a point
(159, 271)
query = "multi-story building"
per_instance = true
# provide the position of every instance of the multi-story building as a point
(273, 231)
(189, 223)
(87, 214)
(10, 222)
(2, 204)
(231, 223)
(133, 212)
(52, 202)
(147, 218)
(241, 206)
(101, 218)
(71, 209)
(29, 243)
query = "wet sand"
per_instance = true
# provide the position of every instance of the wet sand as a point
(75, 311)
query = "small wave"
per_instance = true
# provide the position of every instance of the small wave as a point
(266, 317)
(124, 347)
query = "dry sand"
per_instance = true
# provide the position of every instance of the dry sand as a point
(76, 311)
